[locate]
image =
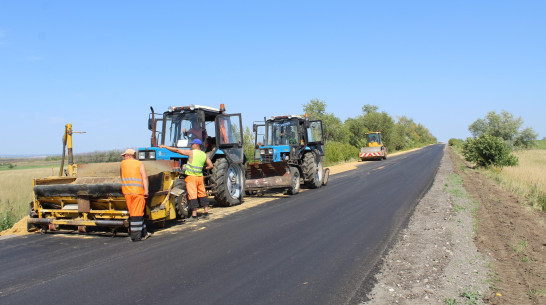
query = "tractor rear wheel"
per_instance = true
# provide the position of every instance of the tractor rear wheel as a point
(312, 170)
(228, 183)
(295, 186)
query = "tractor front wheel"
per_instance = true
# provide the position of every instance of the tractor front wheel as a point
(295, 176)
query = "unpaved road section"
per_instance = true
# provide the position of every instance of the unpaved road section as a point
(468, 242)
(513, 235)
(317, 247)
(435, 260)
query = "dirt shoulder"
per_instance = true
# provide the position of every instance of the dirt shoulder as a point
(435, 260)
(513, 234)
(468, 242)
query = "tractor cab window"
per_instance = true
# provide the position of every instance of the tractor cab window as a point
(314, 132)
(373, 138)
(158, 130)
(182, 129)
(282, 132)
(229, 132)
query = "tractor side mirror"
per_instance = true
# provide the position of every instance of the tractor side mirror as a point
(150, 124)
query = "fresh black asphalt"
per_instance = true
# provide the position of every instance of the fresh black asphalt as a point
(318, 247)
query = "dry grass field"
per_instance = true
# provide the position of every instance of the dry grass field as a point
(16, 191)
(528, 179)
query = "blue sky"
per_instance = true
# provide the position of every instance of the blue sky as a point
(100, 64)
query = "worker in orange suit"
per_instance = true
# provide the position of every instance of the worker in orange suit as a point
(195, 185)
(134, 186)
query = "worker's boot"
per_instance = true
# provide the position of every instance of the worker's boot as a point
(136, 227)
(204, 202)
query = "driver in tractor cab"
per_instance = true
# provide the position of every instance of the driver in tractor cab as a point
(373, 139)
(291, 136)
(287, 135)
(196, 131)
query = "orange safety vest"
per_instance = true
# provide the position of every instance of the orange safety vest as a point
(131, 181)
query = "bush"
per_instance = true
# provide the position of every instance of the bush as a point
(488, 150)
(455, 142)
(7, 219)
(340, 152)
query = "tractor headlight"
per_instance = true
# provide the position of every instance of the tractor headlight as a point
(263, 151)
(141, 155)
(152, 155)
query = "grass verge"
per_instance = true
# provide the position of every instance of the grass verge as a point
(527, 180)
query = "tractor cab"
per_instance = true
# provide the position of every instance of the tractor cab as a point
(219, 133)
(221, 136)
(373, 139)
(374, 148)
(287, 138)
(290, 147)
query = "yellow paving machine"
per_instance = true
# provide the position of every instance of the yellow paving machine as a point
(89, 195)
(374, 149)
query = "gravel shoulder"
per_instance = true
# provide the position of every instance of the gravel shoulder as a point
(435, 260)
(468, 242)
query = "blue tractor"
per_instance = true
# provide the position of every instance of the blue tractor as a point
(291, 150)
(222, 138)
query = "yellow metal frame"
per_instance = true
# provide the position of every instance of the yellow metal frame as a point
(160, 206)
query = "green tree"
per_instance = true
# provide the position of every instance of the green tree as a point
(249, 148)
(333, 127)
(488, 150)
(503, 126)
(370, 120)
(526, 138)
(369, 108)
(402, 133)
(408, 134)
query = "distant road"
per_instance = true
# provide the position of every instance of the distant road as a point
(317, 247)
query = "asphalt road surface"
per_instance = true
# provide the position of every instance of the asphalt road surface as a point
(318, 247)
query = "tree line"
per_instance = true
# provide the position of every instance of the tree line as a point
(92, 157)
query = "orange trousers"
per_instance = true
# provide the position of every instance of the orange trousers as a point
(135, 205)
(195, 186)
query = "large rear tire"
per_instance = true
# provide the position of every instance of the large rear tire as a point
(295, 176)
(312, 170)
(228, 180)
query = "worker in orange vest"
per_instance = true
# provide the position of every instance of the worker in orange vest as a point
(134, 186)
(195, 185)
